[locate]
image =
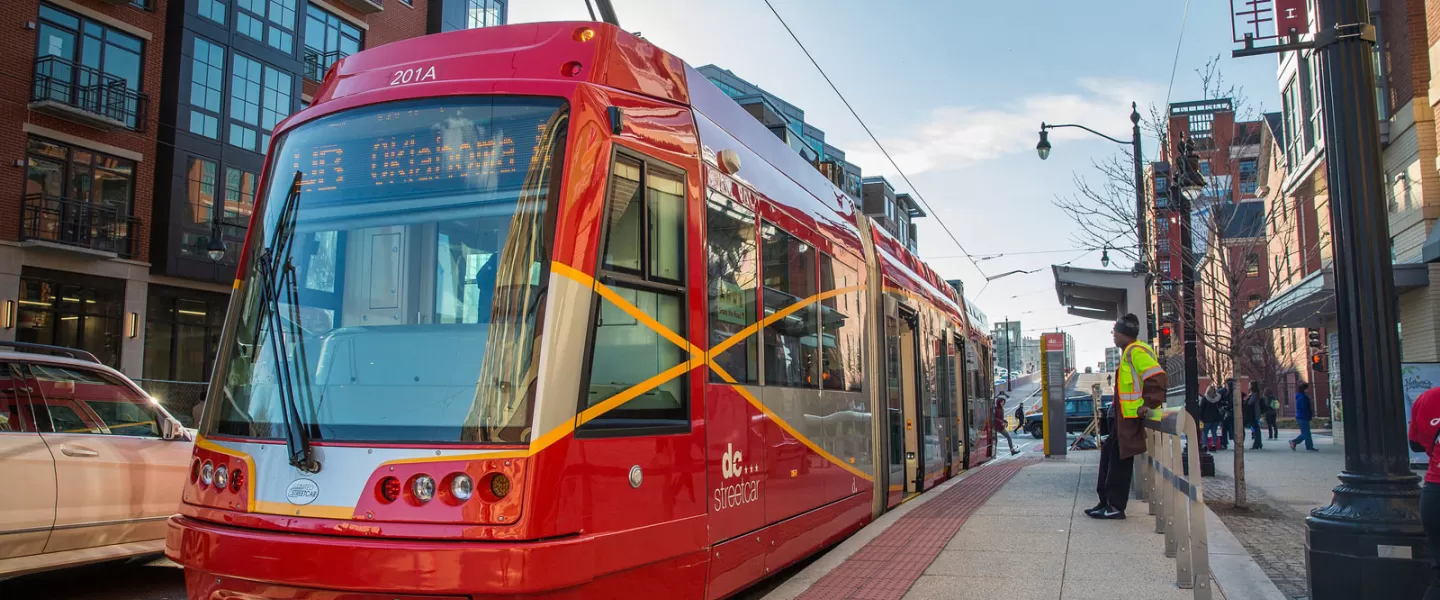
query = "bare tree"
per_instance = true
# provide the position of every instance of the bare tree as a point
(1230, 247)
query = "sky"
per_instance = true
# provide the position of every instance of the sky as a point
(956, 91)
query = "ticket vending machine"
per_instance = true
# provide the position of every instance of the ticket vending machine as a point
(1052, 373)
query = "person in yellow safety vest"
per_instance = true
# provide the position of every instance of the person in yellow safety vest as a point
(1140, 384)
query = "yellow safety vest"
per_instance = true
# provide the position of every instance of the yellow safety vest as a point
(1136, 365)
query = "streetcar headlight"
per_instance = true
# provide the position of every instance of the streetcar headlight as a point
(222, 477)
(207, 472)
(461, 486)
(423, 487)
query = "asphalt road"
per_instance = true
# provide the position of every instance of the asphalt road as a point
(149, 578)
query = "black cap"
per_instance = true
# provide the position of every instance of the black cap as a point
(1128, 325)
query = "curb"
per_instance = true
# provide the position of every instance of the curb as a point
(801, 582)
(1232, 568)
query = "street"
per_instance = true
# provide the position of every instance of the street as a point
(145, 578)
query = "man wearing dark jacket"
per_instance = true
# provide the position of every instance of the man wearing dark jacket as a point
(1140, 385)
(1227, 414)
(1303, 413)
(1251, 414)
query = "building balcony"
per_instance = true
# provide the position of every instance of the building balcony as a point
(364, 6)
(84, 95)
(76, 225)
(317, 62)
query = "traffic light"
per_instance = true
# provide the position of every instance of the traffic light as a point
(1166, 332)
(1317, 363)
(1314, 335)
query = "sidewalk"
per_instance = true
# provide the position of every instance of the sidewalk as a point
(1013, 529)
(1281, 487)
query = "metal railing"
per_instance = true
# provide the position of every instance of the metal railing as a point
(178, 397)
(88, 89)
(317, 62)
(1170, 482)
(76, 223)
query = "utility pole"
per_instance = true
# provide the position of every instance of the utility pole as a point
(607, 12)
(1186, 182)
(1142, 262)
(1368, 543)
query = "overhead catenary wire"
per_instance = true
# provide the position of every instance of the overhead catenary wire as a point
(913, 190)
(1184, 19)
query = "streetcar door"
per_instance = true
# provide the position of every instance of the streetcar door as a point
(915, 418)
(894, 405)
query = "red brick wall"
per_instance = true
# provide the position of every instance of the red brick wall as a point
(17, 60)
(397, 22)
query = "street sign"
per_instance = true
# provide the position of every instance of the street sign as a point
(1280, 21)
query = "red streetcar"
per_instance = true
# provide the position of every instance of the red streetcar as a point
(536, 311)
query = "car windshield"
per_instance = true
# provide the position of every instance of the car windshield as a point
(406, 304)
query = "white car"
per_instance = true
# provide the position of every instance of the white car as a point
(93, 464)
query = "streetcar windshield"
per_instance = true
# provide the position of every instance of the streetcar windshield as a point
(396, 279)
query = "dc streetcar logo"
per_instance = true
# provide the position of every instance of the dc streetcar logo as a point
(302, 492)
(732, 464)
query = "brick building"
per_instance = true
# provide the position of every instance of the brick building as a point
(134, 133)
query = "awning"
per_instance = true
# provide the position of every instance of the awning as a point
(1307, 303)
(1101, 294)
(1311, 301)
(1431, 251)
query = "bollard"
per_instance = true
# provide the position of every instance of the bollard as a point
(1177, 500)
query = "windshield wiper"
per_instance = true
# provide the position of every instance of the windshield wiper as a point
(277, 282)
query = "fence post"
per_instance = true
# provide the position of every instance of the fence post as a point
(1199, 543)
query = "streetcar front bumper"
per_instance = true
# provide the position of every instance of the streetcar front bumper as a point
(223, 561)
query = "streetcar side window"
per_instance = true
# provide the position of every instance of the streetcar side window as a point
(732, 259)
(841, 323)
(637, 380)
(791, 359)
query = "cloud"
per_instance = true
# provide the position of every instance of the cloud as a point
(954, 137)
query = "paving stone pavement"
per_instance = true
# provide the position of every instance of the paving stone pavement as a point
(1281, 488)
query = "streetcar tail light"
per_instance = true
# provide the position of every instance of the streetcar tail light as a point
(499, 485)
(237, 480)
(571, 69)
(422, 487)
(584, 34)
(388, 489)
(461, 487)
(195, 470)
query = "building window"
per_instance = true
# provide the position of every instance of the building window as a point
(212, 9)
(270, 22)
(182, 333)
(77, 197)
(1204, 167)
(789, 276)
(484, 13)
(1249, 175)
(328, 38)
(200, 191)
(239, 196)
(71, 310)
(1252, 265)
(207, 87)
(83, 63)
(259, 99)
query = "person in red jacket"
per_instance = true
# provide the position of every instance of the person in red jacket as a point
(1424, 428)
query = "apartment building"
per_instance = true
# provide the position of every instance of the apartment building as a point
(134, 134)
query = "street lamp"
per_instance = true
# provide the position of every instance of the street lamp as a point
(1188, 185)
(1043, 149)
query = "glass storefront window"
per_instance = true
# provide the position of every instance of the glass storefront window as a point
(71, 310)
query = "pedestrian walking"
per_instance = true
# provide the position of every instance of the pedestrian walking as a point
(1140, 385)
(1250, 412)
(1424, 429)
(1304, 411)
(1272, 412)
(999, 417)
(1019, 417)
(1210, 416)
(1227, 414)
